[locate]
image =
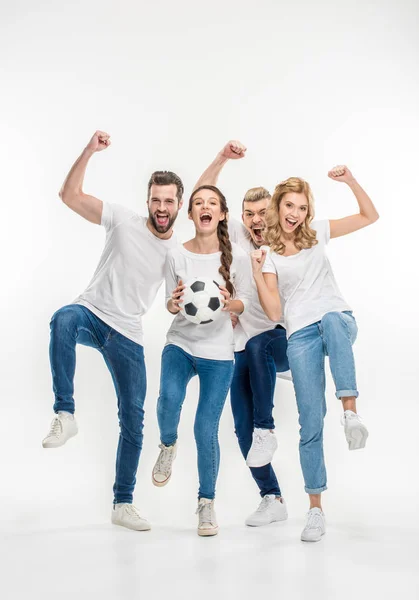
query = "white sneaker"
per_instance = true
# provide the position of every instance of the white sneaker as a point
(270, 509)
(207, 520)
(127, 515)
(162, 470)
(285, 375)
(263, 448)
(63, 427)
(315, 526)
(355, 431)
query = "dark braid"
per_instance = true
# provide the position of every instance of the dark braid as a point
(223, 236)
(226, 253)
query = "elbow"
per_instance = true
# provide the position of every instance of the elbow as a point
(274, 315)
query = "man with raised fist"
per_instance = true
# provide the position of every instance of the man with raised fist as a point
(107, 315)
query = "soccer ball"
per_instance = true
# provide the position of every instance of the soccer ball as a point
(202, 301)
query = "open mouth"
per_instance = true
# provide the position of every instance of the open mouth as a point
(290, 222)
(205, 218)
(258, 234)
(162, 220)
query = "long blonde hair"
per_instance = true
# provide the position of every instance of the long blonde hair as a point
(305, 237)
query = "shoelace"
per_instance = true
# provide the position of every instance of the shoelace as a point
(259, 442)
(265, 503)
(133, 512)
(352, 417)
(205, 512)
(56, 428)
(314, 520)
(165, 459)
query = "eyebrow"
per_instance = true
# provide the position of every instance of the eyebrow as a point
(210, 198)
(254, 211)
(154, 198)
(301, 206)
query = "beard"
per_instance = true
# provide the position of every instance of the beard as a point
(162, 228)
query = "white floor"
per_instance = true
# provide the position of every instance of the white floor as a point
(104, 561)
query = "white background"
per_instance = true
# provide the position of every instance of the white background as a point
(305, 86)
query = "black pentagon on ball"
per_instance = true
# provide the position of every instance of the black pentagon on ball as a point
(190, 309)
(198, 286)
(214, 303)
(206, 322)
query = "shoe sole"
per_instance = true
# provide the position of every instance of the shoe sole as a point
(59, 444)
(311, 540)
(265, 524)
(121, 524)
(207, 532)
(357, 438)
(161, 483)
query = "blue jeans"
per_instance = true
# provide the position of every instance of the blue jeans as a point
(177, 369)
(333, 336)
(267, 356)
(254, 384)
(75, 324)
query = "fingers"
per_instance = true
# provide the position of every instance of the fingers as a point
(237, 147)
(337, 171)
(234, 319)
(177, 295)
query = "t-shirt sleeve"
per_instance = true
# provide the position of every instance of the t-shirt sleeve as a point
(114, 214)
(243, 279)
(268, 266)
(170, 276)
(236, 231)
(322, 229)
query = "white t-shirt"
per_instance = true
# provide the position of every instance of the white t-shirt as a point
(306, 282)
(254, 320)
(129, 273)
(213, 340)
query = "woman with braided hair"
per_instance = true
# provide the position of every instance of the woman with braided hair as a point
(203, 350)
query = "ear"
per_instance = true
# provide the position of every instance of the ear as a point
(190, 216)
(243, 217)
(180, 203)
(222, 216)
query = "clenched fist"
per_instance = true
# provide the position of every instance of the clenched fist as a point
(233, 149)
(100, 141)
(258, 260)
(341, 173)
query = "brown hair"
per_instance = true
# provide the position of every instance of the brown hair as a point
(166, 178)
(255, 194)
(223, 236)
(305, 237)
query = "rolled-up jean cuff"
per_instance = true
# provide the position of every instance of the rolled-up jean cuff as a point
(346, 394)
(316, 491)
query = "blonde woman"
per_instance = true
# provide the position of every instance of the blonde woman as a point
(318, 320)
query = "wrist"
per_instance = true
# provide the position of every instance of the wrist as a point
(352, 182)
(87, 152)
(221, 160)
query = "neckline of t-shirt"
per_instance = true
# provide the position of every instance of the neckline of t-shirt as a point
(199, 256)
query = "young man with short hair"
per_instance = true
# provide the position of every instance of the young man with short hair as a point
(107, 315)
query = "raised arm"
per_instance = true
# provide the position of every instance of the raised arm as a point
(267, 287)
(231, 151)
(72, 194)
(367, 212)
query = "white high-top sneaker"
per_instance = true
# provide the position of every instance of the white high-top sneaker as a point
(63, 427)
(207, 520)
(355, 430)
(315, 526)
(272, 508)
(263, 448)
(127, 515)
(162, 470)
